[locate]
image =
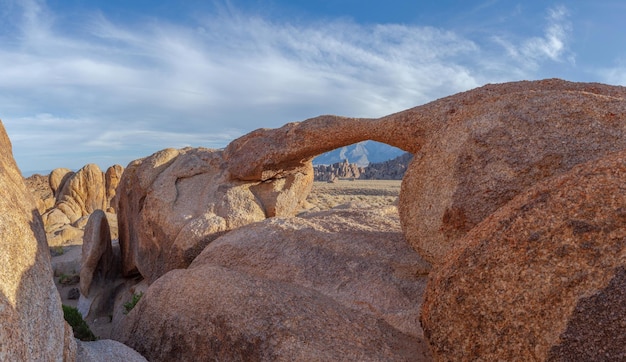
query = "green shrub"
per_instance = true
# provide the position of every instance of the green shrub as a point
(79, 326)
(57, 250)
(130, 305)
(69, 279)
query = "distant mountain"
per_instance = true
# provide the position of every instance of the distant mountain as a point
(393, 169)
(362, 154)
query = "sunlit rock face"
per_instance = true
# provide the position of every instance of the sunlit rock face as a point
(174, 202)
(32, 328)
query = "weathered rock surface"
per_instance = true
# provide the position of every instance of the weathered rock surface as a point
(393, 169)
(65, 235)
(101, 269)
(54, 219)
(173, 203)
(83, 193)
(497, 142)
(337, 170)
(112, 178)
(543, 278)
(333, 285)
(111, 218)
(38, 185)
(107, 350)
(474, 151)
(58, 178)
(32, 328)
(97, 256)
(76, 196)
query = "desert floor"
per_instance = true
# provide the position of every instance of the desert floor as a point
(325, 195)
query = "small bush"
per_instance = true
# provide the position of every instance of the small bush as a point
(79, 326)
(69, 279)
(57, 250)
(130, 305)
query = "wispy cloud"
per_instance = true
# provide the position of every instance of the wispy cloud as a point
(123, 89)
(529, 53)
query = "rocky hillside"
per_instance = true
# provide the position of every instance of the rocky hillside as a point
(387, 170)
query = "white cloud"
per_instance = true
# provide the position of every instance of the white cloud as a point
(552, 45)
(117, 88)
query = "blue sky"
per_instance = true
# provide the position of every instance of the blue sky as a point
(108, 82)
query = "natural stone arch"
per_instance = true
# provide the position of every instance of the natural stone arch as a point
(474, 150)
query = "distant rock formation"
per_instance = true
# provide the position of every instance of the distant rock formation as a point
(333, 285)
(38, 186)
(70, 197)
(83, 193)
(542, 278)
(337, 170)
(387, 170)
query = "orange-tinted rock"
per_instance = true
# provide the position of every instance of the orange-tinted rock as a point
(543, 278)
(498, 141)
(474, 151)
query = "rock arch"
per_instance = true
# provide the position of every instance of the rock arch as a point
(474, 150)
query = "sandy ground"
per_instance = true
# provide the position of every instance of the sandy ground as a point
(325, 195)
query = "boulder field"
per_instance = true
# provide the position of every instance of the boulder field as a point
(512, 208)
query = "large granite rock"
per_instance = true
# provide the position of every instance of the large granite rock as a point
(332, 285)
(474, 151)
(32, 327)
(498, 141)
(543, 278)
(173, 203)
